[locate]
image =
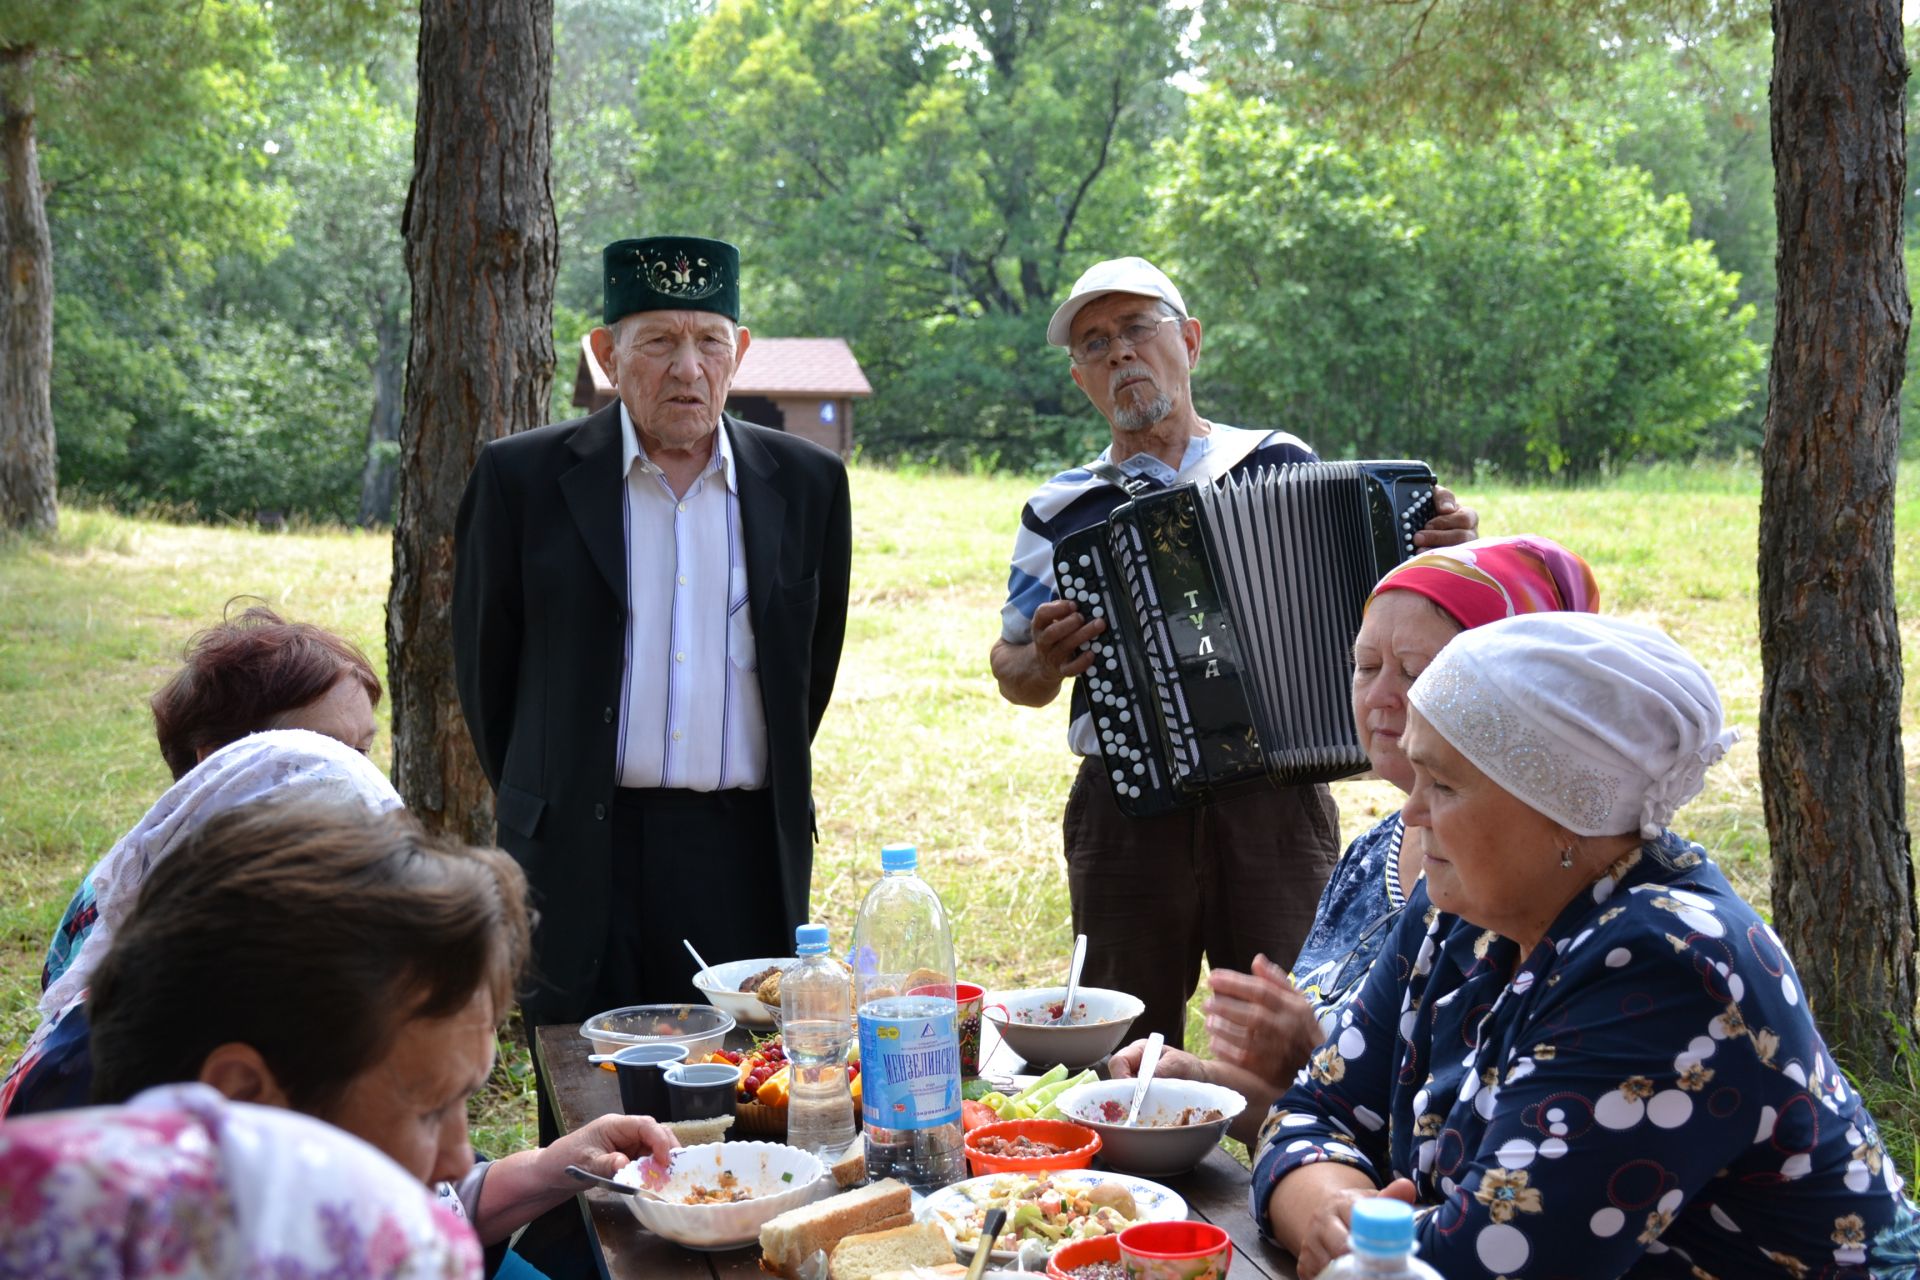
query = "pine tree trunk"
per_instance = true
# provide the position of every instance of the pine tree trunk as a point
(28, 485)
(481, 251)
(383, 421)
(1830, 758)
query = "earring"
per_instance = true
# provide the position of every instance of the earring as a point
(1566, 854)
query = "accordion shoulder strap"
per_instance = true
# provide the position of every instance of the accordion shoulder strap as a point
(1230, 449)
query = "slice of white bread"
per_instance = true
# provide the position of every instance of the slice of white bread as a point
(791, 1238)
(864, 1256)
(945, 1271)
(851, 1168)
(694, 1133)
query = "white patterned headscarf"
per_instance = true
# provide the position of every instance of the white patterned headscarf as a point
(1605, 726)
(274, 764)
(182, 1183)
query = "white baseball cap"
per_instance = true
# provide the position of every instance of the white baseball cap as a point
(1115, 275)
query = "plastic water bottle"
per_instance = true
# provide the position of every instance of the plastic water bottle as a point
(816, 1025)
(1381, 1234)
(903, 975)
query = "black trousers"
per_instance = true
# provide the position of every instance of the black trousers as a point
(694, 865)
(699, 865)
(1228, 880)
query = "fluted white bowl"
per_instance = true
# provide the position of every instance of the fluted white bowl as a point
(780, 1177)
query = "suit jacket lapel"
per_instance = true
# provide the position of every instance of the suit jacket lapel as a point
(763, 517)
(592, 488)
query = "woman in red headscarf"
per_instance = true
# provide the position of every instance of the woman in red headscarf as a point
(1264, 1024)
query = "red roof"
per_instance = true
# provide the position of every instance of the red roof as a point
(800, 366)
(774, 366)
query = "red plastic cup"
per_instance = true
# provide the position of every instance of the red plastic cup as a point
(1175, 1251)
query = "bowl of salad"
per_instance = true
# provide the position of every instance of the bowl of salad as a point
(1047, 1210)
(1037, 1025)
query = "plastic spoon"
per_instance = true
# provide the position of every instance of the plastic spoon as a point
(704, 966)
(1073, 978)
(1149, 1059)
(624, 1188)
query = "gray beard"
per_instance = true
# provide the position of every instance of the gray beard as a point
(1142, 416)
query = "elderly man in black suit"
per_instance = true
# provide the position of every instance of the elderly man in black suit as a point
(648, 605)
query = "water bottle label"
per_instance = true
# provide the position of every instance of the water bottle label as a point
(909, 1071)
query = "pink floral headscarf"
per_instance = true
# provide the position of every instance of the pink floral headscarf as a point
(1490, 578)
(183, 1184)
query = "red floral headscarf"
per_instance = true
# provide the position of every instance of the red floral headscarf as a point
(1491, 578)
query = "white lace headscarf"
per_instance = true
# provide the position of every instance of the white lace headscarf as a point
(276, 763)
(1605, 726)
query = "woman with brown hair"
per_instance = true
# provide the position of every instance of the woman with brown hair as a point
(345, 964)
(251, 674)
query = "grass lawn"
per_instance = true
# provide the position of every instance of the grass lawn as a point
(917, 746)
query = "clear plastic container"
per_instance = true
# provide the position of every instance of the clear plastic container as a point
(903, 975)
(1381, 1233)
(816, 1025)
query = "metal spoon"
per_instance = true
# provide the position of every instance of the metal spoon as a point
(983, 1247)
(1149, 1059)
(704, 966)
(1073, 978)
(624, 1188)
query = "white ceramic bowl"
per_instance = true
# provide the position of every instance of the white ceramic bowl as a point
(700, 1027)
(1148, 1149)
(1101, 1021)
(780, 1177)
(721, 986)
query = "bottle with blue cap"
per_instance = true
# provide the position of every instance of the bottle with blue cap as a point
(816, 1026)
(903, 980)
(1380, 1234)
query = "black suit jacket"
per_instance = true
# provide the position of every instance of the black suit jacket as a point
(539, 621)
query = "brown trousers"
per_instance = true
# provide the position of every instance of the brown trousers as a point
(1228, 881)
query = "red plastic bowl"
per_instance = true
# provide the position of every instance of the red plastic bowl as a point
(1081, 1144)
(1079, 1253)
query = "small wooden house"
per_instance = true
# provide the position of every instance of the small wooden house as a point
(803, 385)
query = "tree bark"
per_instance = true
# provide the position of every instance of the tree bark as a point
(28, 484)
(481, 249)
(383, 421)
(1830, 759)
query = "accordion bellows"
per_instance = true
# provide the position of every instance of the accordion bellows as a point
(1231, 613)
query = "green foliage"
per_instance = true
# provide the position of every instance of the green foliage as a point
(922, 178)
(1525, 305)
(1461, 68)
(214, 340)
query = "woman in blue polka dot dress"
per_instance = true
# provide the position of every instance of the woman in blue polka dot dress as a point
(1583, 1054)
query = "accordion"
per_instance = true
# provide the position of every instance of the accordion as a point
(1231, 612)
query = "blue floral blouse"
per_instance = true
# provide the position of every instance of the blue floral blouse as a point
(1646, 1096)
(1354, 920)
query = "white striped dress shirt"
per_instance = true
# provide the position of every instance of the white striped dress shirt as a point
(691, 715)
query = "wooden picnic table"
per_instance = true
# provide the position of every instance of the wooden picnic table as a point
(1215, 1192)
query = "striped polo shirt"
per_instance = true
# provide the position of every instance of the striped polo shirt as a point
(1077, 498)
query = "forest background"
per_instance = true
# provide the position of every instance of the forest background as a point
(1589, 288)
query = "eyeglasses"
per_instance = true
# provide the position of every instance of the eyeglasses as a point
(1137, 332)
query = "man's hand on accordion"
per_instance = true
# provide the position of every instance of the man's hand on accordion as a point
(1030, 675)
(1451, 523)
(1061, 636)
